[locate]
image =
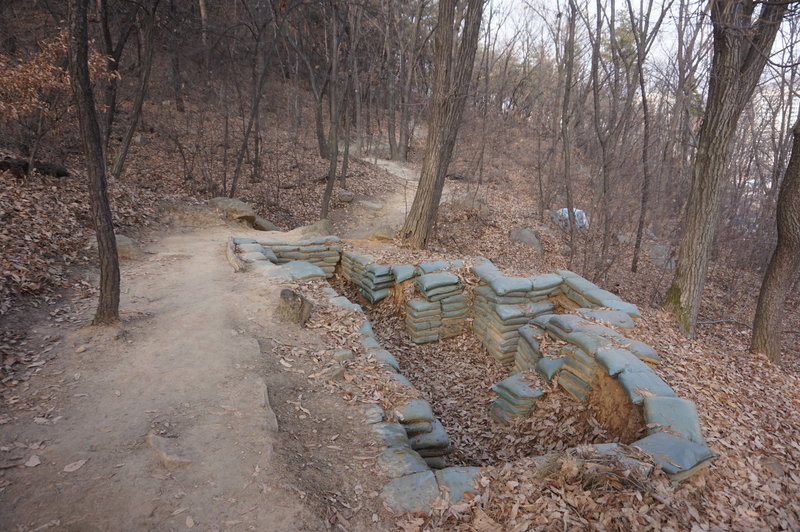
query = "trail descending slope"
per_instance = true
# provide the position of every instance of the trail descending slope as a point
(165, 424)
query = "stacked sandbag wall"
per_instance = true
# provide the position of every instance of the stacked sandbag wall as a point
(323, 252)
(441, 311)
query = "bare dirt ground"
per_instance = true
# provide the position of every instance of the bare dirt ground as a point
(182, 417)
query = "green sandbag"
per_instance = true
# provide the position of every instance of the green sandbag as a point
(428, 267)
(415, 410)
(510, 285)
(403, 272)
(385, 357)
(431, 281)
(589, 343)
(512, 409)
(576, 387)
(518, 388)
(437, 438)
(420, 305)
(393, 434)
(624, 306)
(303, 270)
(417, 428)
(458, 481)
(615, 318)
(499, 415)
(616, 360)
(548, 366)
(677, 456)
(643, 351)
(567, 322)
(378, 270)
(641, 383)
(580, 285)
(547, 281)
(531, 335)
(543, 320)
(486, 271)
(577, 297)
(398, 462)
(679, 415)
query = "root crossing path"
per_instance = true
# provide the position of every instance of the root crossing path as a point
(166, 423)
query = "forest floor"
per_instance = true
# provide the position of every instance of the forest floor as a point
(200, 411)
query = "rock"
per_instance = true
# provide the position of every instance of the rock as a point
(392, 434)
(128, 249)
(262, 224)
(293, 307)
(412, 493)
(322, 227)
(371, 204)
(139, 139)
(383, 232)
(472, 202)
(167, 452)
(373, 414)
(236, 209)
(527, 235)
(346, 196)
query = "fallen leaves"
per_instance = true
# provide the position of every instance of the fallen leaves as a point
(74, 466)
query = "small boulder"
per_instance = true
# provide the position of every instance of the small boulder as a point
(293, 307)
(322, 227)
(472, 202)
(371, 204)
(128, 248)
(236, 209)
(527, 235)
(346, 196)
(262, 224)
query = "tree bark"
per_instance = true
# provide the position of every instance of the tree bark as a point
(451, 84)
(108, 305)
(741, 50)
(784, 264)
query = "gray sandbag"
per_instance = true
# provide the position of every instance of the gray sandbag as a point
(641, 383)
(437, 438)
(531, 334)
(411, 493)
(580, 285)
(487, 294)
(253, 256)
(402, 379)
(624, 306)
(383, 356)
(379, 270)
(589, 343)
(510, 285)
(398, 462)
(678, 457)
(415, 410)
(513, 410)
(616, 360)
(643, 351)
(428, 267)
(574, 385)
(403, 272)
(422, 307)
(239, 240)
(615, 318)
(392, 434)
(418, 427)
(374, 297)
(458, 481)
(426, 339)
(499, 415)
(678, 415)
(546, 282)
(567, 322)
(303, 270)
(518, 388)
(549, 366)
(543, 320)
(577, 297)
(486, 271)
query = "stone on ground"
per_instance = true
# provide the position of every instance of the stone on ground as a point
(293, 307)
(412, 493)
(527, 235)
(236, 209)
(262, 224)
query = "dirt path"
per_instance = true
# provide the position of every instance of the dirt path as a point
(166, 423)
(363, 219)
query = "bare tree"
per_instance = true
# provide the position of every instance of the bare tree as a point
(784, 264)
(451, 85)
(108, 305)
(741, 49)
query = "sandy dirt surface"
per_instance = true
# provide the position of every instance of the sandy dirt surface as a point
(182, 417)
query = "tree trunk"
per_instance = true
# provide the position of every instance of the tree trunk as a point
(108, 305)
(451, 83)
(141, 90)
(784, 264)
(391, 92)
(741, 50)
(333, 136)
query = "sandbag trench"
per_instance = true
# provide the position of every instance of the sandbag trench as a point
(520, 323)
